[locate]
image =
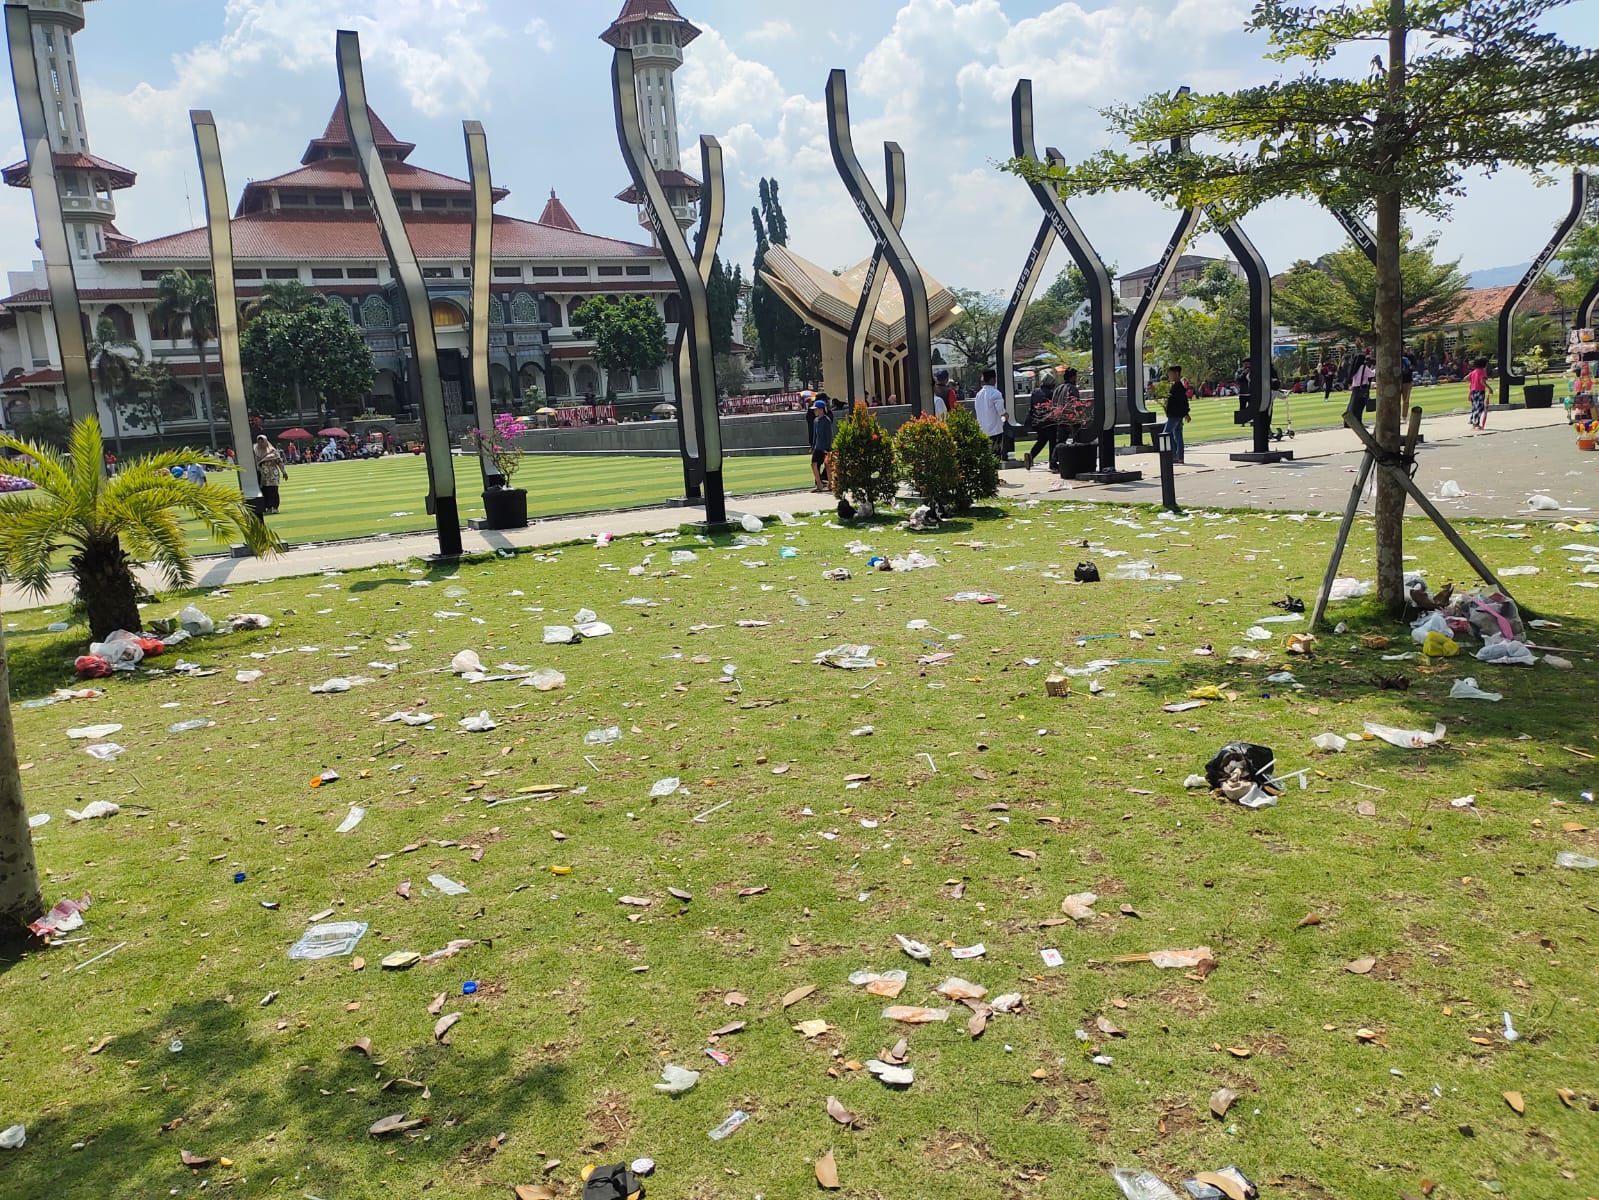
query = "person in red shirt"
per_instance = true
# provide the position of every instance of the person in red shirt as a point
(1477, 388)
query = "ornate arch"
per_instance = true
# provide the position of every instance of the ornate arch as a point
(524, 309)
(376, 314)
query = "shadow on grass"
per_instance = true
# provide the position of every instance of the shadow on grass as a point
(233, 1091)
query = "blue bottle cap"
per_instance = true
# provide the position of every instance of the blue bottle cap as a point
(238, 877)
(469, 987)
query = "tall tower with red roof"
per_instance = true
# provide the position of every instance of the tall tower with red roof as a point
(86, 183)
(657, 33)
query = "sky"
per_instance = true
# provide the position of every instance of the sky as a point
(934, 75)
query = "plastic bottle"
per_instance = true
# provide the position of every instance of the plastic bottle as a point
(727, 1128)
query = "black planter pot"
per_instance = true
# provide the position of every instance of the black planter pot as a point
(1539, 395)
(1072, 459)
(505, 508)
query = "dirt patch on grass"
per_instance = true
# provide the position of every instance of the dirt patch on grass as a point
(947, 1148)
(609, 1120)
(1177, 1116)
(1189, 1000)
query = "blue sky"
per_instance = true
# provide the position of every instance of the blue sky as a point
(935, 75)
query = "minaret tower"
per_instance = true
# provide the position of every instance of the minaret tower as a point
(656, 33)
(86, 183)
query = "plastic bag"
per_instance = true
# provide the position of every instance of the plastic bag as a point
(1434, 622)
(676, 1080)
(1141, 1185)
(121, 650)
(1329, 741)
(104, 751)
(481, 723)
(1240, 760)
(665, 787)
(1344, 588)
(1506, 652)
(1406, 739)
(331, 940)
(1440, 645)
(559, 635)
(545, 679)
(751, 523)
(1450, 490)
(1467, 689)
(1542, 503)
(1086, 572)
(194, 622)
(467, 663)
(91, 666)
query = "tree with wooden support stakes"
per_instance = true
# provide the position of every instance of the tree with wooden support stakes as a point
(1454, 86)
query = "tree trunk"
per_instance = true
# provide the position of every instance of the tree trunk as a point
(116, 425)
(205, 396)
(107, 588)
(1390, 514)
(20, 901)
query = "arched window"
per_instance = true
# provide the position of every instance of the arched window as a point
(560, 385)
(496, 311)
(529, 377)
(446, 314)
(499, 382)
(375, 313)
(120, 319)
(524, 311)
(674, 309)
(550, 311)
(649, 380)
(586, 380)
(572, 305)
(177, 402)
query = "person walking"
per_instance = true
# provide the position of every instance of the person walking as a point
(943, 394)
(1178, 410)
(1041, 419)
(270, 470)
(989, 404)
(1477, 390)
(821, 439)
(1326, 380)
(1360, 381)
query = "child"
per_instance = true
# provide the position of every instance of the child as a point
(1477, 387)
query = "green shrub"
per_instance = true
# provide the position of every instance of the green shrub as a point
(862, 463)
(924, 451)
(974, 454)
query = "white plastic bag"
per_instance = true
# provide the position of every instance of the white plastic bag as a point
(1406, 739)
(1450, 490)
(1329, 741)
(1542, 503)
(751, 523)
(1344, 588)
(1467, 689)
(665, 787)
(1506, 652)
(195, 622)
(1432, 623)
(95, 808)
(545, 679)
(467, 663)
(481, 723)
(119, 649)
(676, 1080)
(559, 635)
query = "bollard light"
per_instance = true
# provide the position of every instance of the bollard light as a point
(1163, 441)
(1168, 473)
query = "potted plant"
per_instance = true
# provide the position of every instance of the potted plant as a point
(1072, 413)
(504, 507)
(1540, 394)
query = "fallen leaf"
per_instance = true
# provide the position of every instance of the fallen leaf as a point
(194, 1160)
(1231, 1188)
(1567, 1096)
(443, 1024)
(533, 1191)
(352, 1006)
(753, 891)
(395, 1123)
(1308, 919)
(730, 1027)
(1366, 1035)
(435, 1008)
(978, 1021)
(636, 901)
(798, 994)
(735, 999)
(1127, 910)
(1361, 966)
(1366, 808)
(363, 1044)
(1025, 853)
(813, 1028)
(838, 1112)
(1221, 1100)
(404, 890)
(827, 1172)
(1108, 1027)
(358, 963)
(1239, 1051)
(106, 1041)
(1517, 1104)
(1118, 1003)
(680, 894)
(1040, 1074)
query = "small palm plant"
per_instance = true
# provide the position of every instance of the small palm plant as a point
(108, 524)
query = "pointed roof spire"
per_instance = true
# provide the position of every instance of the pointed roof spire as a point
(556, 216)
(664, 11)
(337, 137)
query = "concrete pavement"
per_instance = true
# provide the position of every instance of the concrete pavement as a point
(1522, 453)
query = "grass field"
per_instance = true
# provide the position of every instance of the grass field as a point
(1366, 1046)
(330, 501)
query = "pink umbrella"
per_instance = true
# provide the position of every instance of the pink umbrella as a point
(333, 431)
(296, 435)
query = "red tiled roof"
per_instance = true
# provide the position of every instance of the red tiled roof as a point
(337, 134)
(47, 376)
(669, 180)
(32, 296)
(1485, 304)
(337, 174)
(635, 11)
(118, 177)
(302, 237)
(556, 216)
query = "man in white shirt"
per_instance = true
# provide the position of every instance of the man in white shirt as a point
(989, 404)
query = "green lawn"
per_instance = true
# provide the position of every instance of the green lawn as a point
(797, 880)
(1213, 418)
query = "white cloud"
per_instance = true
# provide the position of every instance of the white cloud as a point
(539, 30)
(772, 31)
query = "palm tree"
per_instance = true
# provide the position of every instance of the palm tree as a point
(190, 298)
(76, 506)
(286, 296)
(114, 371)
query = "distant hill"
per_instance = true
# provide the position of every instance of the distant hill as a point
(1498, 276)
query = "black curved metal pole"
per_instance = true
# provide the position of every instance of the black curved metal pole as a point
(860, 328)
(713, 208)
(482, 181)
(1589, 305)
(219, 233)
(690, 284)
(53, 246)
(1101, 297)
(1259, 280)
(912, 286)
(1021, 296)
(408, 274)
(1580, 199)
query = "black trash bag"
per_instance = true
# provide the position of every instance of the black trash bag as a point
(613, 1183)
(1289, 604)
(846, 510)
(1086, 572)
(1240, 760)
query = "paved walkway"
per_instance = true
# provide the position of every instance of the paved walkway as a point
(1522, 453)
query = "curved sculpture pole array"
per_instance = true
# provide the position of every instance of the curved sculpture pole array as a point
(482, 181)
(53, 245)
(408, 274)
(872, 286)
(713, 208)
(685, 266)
(219, 233)
(1020, 297)
(1258, 414)
(1584, 197)
(886, 236)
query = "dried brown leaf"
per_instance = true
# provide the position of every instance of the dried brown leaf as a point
(798, 994)
(1108, 1027)
(1517, 1104)
(1221, 1100)
(395, 1123)
(435, 1008)
(404, 890)
(735, 999)
(1308, 919)
(827, 1172)
(362, 1044)
(533, 1191)
(839, 1113)
(730, 1027)
(1228, 1186)
(1360, 966)
(194, 1160)
(443, 1024)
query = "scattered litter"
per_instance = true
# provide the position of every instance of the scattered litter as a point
(409, 718)
(1450, 490)
(352, 819)
(1510, 1030)
(676, 1080)
(1329, 741)
(1344, 588)
(332, 940)
(603, 737)
(730, 1126)
(38, 819)
(1541, 503)
(969, 952)
(466, 662)
(190, 725)
(247, 676)
(1575, 862)
(13, 1138)
(481, 723)
(914, 948)
(66, 916)
(848, 657)
(194, 622)
(751, 523)
(1141, 1185)
(1504, 651)
(95, 808)
(559, 635)
(339, 683)
(893, 1076)
(1052, 958)
(446, 885)
(1228, 1183)
(1467, 689)
(837, 574)
(1079, 907)
(1406, 739)
(1170, 959)
(93, 732)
